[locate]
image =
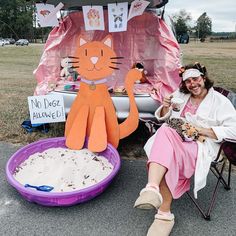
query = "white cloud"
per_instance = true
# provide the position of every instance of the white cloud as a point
(222, 13)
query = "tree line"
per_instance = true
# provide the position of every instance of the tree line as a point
(200, 30)
(17, 19)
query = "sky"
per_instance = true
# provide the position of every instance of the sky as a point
(221, 12)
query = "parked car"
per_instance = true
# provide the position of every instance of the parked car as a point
(11, 40)
(148, 40)
(22, 42)
(6, 41)
(183, 39)
(2, 43)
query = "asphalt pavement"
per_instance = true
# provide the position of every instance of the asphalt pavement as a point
(112, 212)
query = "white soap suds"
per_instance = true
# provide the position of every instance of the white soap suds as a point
(64, 169)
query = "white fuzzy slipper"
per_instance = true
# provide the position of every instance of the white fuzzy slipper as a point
(149, 198)
(162, 225)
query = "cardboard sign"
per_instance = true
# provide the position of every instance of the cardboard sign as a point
(46, 109)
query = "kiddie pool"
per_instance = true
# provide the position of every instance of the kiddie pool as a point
(58, 199)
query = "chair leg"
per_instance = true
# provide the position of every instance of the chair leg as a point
(229, 176)
(218, 174)
(198, 207)
(220, 179)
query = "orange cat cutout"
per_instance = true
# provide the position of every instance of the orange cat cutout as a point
(93, 114)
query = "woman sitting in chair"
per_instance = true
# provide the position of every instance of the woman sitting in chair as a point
(173, 158)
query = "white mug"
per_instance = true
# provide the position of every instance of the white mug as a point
(176, 103)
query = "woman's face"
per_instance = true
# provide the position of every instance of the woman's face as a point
(195, 85)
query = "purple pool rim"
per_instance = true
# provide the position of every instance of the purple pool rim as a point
(57, 198)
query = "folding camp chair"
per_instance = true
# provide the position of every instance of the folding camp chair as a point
(228, 147)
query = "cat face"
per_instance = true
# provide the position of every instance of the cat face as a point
(96, 59)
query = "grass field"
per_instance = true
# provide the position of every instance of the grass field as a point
(219, 59)
(17, 83)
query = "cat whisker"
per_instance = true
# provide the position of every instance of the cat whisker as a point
(116, 57)
(73, 62)
(115, 68)
(73, 57)
(116, 62)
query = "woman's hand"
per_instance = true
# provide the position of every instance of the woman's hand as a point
(166, 105)
(167, 101)
(207, 132)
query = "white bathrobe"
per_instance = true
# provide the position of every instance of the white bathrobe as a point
(216, 112)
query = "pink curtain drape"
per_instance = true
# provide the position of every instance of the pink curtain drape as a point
(148, 39)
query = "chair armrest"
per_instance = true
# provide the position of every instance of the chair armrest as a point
(230, 140)
(225, 144)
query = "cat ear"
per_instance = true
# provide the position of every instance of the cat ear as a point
(108, 41)
(82, 41)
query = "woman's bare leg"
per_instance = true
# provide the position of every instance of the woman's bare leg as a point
(166, 195)
(156, 173)
(160, 196)
(156, 177)
(149, 198)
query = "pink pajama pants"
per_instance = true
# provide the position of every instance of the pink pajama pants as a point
(177, 156)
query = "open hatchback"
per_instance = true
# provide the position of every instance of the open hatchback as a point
(148, 40)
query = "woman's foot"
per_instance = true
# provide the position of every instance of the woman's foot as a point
(162, 225)
(149, 198)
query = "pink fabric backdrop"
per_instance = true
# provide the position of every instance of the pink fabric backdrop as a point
(147, 39)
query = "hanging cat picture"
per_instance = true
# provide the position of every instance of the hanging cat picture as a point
(137, 8)
(93, 17)
(117, 16)
(92, 114)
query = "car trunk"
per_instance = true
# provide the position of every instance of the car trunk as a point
(147, 40)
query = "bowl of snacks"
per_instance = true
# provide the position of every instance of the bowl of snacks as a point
(48, 173)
